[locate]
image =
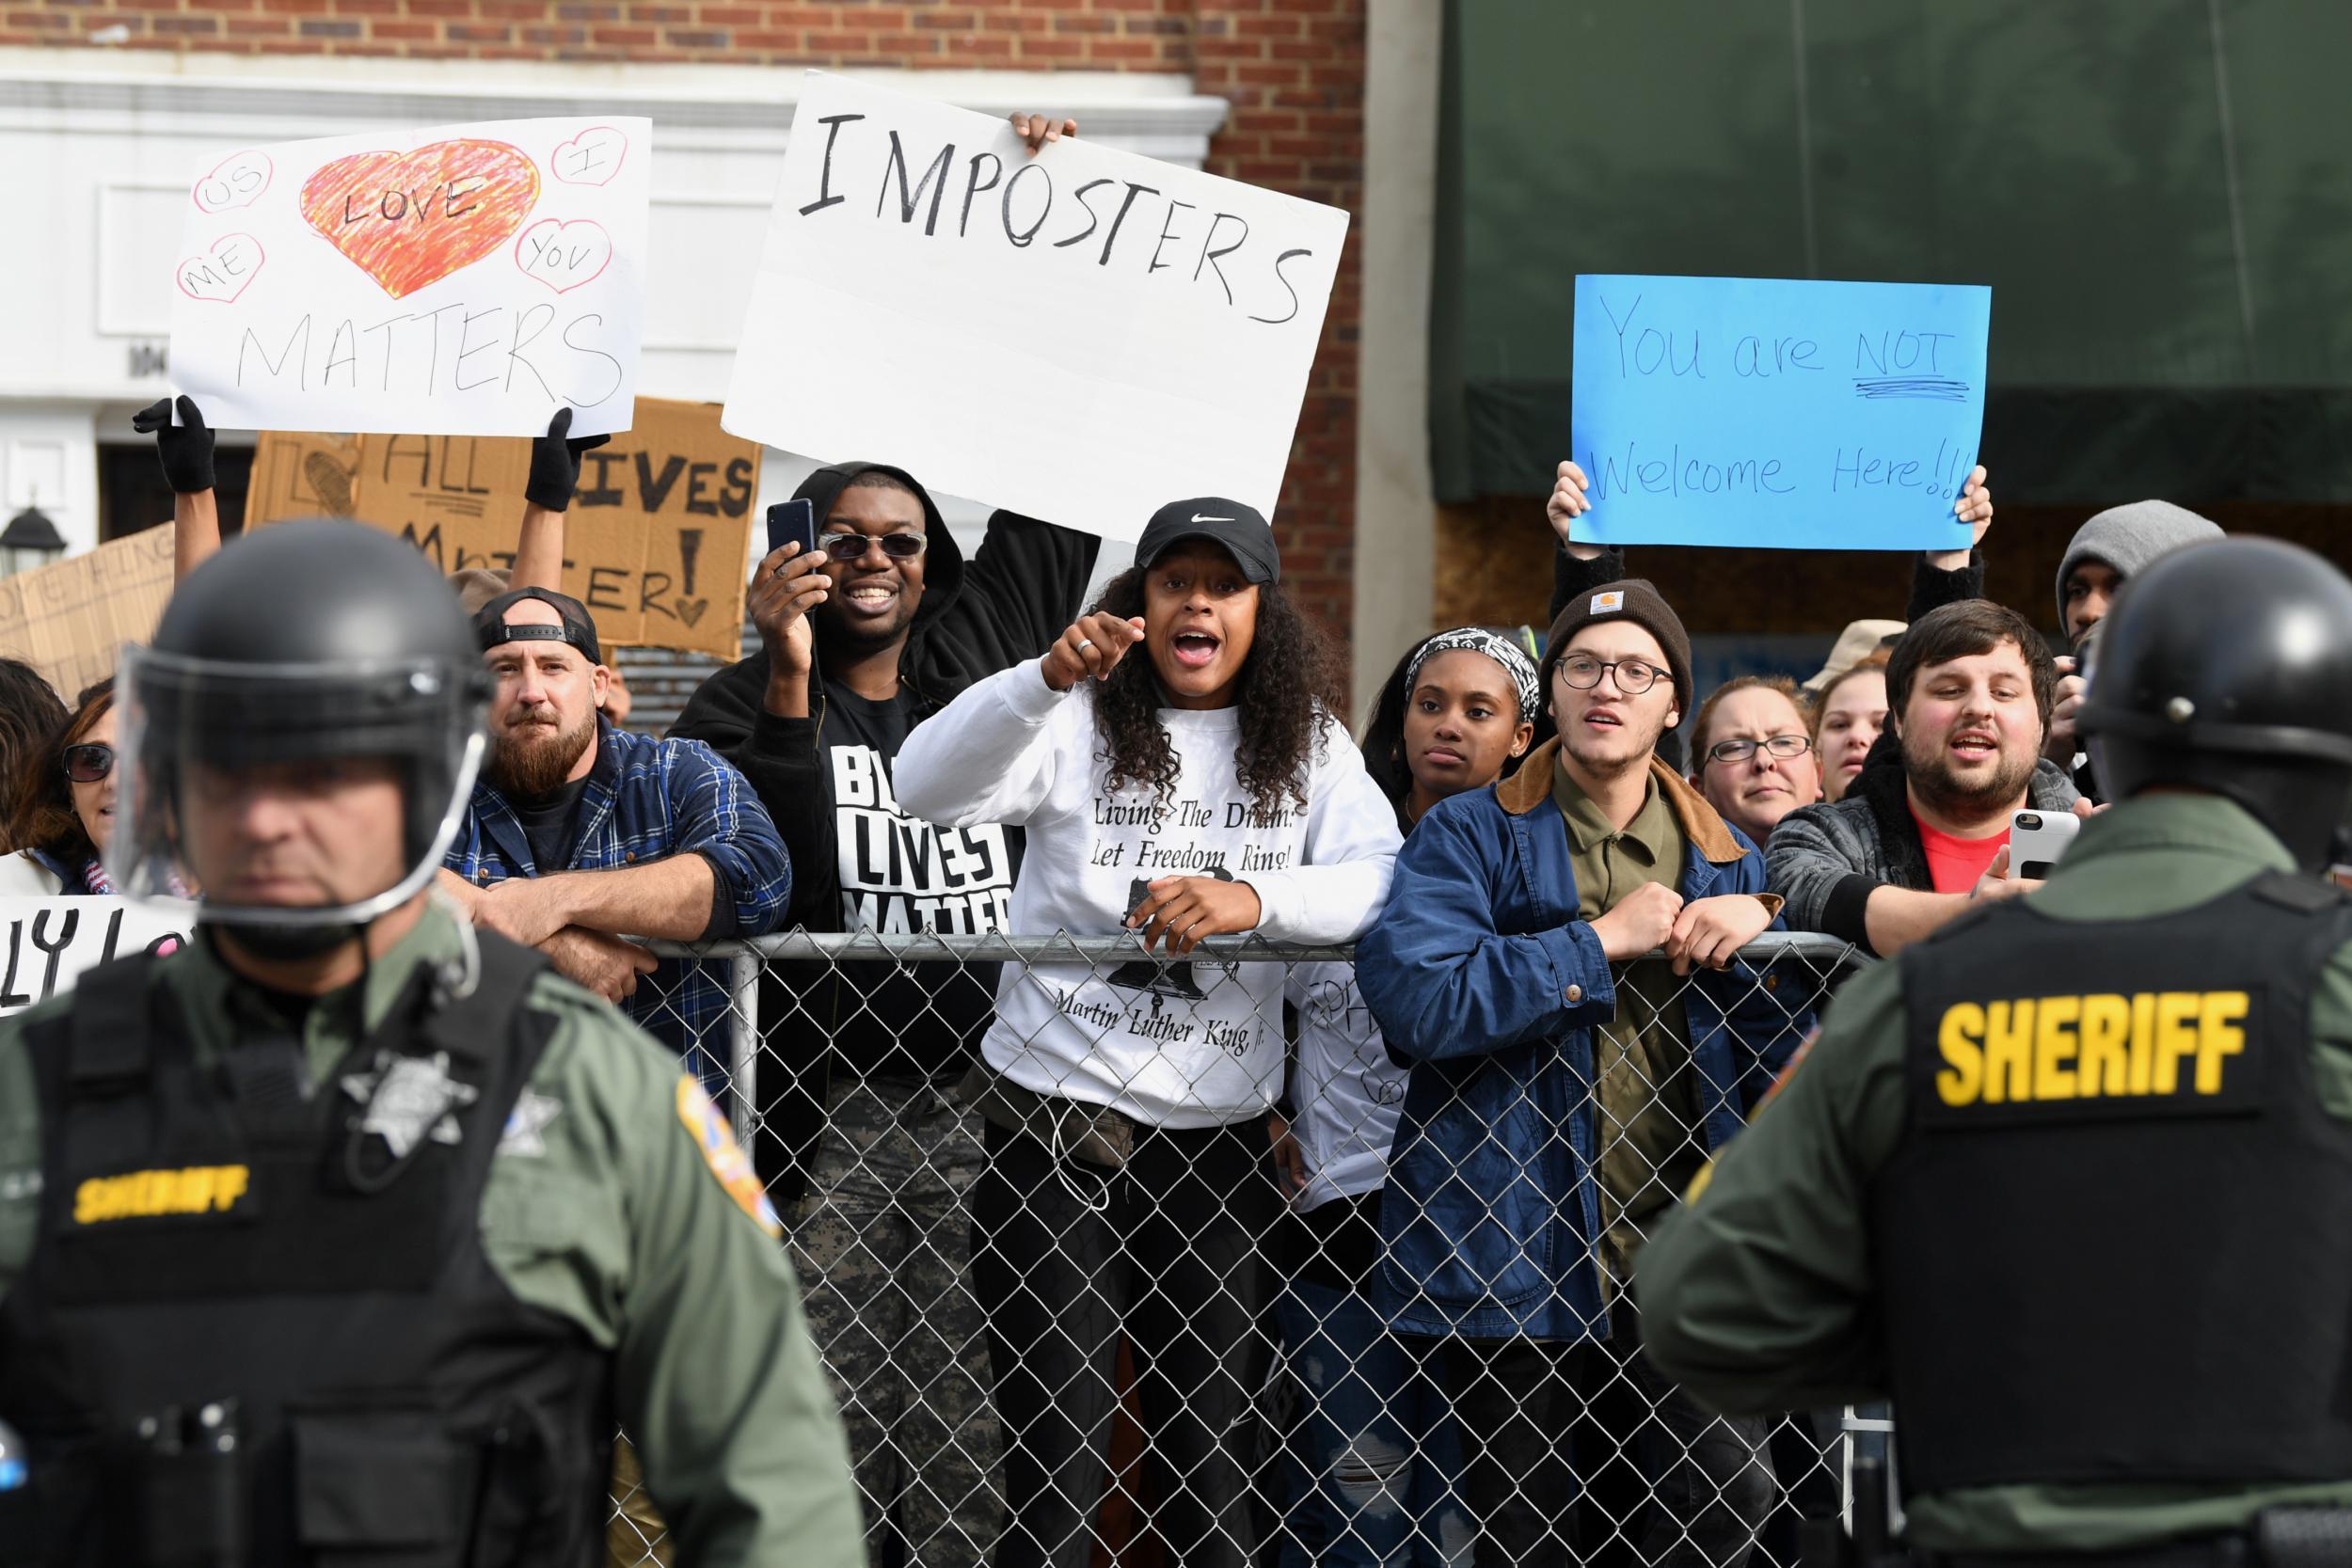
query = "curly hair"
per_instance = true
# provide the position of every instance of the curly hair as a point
(30, 713)
(1290, 681)
(44, 817)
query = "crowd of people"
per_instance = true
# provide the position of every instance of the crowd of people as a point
(1018, 1195)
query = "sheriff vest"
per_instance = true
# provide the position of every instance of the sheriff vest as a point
(2100, 1046)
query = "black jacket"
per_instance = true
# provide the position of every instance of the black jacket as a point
(1020, 592)
(1008, 603)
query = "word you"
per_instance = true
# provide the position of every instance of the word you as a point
(564, 255)
(1026, 207)
(1899, 363)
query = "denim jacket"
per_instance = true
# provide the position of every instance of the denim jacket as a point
(1483, 977)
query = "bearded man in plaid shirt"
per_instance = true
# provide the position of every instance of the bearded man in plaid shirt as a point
(579, 834)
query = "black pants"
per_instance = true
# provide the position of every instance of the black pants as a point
(1066, 1259)
(1517, 1403)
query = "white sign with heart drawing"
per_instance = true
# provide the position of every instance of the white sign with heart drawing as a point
(464, 281)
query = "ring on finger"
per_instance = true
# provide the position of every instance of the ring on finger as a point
(1085, 643)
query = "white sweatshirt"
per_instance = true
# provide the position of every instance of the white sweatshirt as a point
(1179, 1044)
(1349, 1096)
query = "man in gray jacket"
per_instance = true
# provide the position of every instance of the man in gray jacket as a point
(1916, 837)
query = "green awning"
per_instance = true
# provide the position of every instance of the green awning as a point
(2159, 191)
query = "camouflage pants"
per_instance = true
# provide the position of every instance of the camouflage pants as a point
(883, 1251)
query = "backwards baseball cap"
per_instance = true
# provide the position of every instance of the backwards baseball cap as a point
(1243, 533)
(491, 627)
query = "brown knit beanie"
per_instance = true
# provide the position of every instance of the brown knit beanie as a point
(1633, 599)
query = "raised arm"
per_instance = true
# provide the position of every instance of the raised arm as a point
(187, 450)
(547, 495)
(988, 756)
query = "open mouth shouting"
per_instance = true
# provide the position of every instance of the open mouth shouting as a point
(1974, 746)
(1195, 650)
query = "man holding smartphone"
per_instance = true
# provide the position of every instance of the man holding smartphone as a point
(1918, 835)
(861, 639)
(2071, 1179)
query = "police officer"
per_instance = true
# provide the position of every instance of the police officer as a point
(343, 1235)
(2072, 1180)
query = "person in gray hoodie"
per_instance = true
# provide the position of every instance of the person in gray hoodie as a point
(2107, 549)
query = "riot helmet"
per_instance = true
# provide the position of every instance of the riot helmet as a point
(293, 653)
(2227, 667)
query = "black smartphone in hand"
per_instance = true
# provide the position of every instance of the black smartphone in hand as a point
(792, 521)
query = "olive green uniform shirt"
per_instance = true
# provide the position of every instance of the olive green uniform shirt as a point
(1648, 1098)
(1757, 1294)
(602, 1208)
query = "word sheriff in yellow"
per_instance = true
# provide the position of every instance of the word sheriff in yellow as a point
(2092, 1047)
(146, 1193)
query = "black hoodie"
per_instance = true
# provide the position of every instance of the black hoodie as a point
(1008, 603)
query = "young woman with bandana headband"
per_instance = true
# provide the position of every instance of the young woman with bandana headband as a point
(1455, 715)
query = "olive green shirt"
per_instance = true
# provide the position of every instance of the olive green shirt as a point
(602, 1207)
(1648, 1097)
(1757, 1294)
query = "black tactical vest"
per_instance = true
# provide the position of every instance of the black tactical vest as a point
(261, 1329)
(2115, 1242)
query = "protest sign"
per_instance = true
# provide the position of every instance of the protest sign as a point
(69, 620)
(1786, 414)
(1080, 335)
(466, 280)
(657, 541)
(49, 941)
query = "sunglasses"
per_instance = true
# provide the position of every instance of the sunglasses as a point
(847, 547)
(89, 764)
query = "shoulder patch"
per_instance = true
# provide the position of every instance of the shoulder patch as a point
(715, 1139)
(1796, 1060)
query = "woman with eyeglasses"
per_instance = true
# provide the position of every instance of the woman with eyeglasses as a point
(1752, 753)
(66, 807)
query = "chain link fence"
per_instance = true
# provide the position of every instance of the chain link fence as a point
(1064, 1335)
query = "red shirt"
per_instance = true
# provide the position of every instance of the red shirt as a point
(1955, 864)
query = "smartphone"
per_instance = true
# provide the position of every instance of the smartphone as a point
(792, 521)
(2037, 839)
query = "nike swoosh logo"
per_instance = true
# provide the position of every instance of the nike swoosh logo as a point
(1197, 518)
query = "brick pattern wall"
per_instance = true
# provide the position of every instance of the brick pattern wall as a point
(1293, 70)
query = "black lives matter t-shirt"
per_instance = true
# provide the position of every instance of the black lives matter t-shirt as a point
(900, 875)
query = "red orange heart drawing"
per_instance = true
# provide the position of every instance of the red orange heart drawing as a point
(408, 219)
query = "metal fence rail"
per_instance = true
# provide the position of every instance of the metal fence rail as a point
(1061, 1335)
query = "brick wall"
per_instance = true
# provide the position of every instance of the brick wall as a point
(1293, 70)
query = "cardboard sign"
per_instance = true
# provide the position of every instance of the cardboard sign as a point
(45, 943)
(69, 620)
(1082, 336)
(657, 543)
(1774, 414)
(470, 279)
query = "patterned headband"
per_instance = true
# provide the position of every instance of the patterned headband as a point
(1494, 645)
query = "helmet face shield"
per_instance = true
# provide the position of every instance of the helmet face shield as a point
(290, 795)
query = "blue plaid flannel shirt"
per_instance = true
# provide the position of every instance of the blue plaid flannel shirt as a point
(646, 800)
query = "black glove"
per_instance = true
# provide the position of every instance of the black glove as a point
(186, 447)
(555, 463)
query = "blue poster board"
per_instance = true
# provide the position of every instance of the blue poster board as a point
(1775, 414)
